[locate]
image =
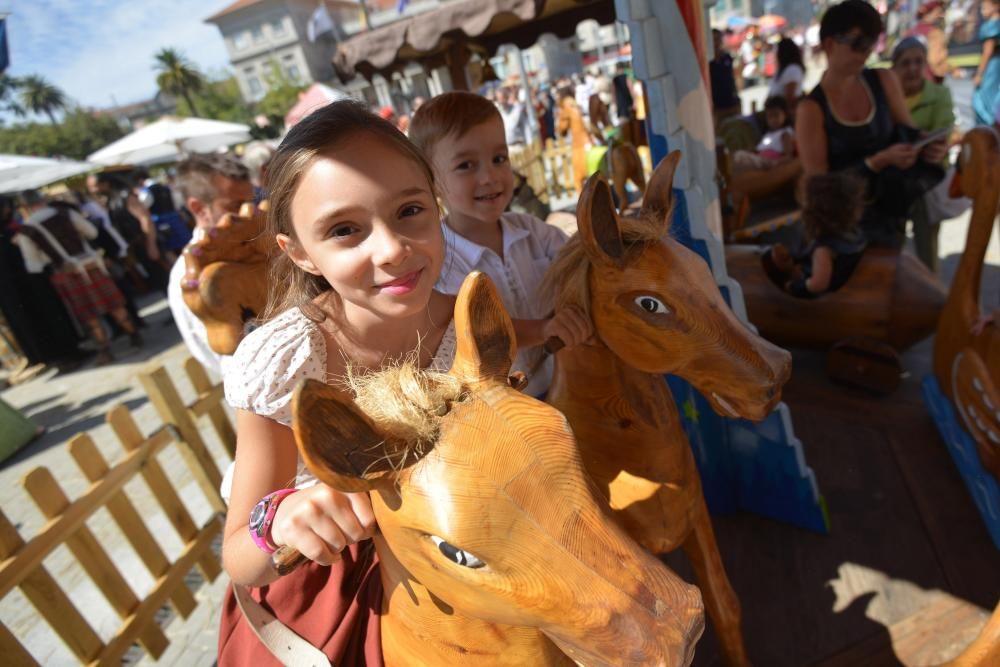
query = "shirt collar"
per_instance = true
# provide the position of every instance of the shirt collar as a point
(473, 252)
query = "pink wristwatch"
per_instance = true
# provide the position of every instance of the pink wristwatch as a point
(262, 516)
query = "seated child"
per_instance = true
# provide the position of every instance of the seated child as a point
(831, 211)
(778, 143)
(462, 135)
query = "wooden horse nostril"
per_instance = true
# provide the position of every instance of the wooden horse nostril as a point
(517, 380)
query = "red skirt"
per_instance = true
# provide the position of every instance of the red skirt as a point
(337, 609)
(87, 300)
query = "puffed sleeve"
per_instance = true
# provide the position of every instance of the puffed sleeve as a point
(271, 361)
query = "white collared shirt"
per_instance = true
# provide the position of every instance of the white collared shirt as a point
(192, 329)
(529, 246)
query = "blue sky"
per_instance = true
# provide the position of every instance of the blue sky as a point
(98, 49)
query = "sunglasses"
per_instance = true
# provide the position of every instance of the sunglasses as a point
(858, 43)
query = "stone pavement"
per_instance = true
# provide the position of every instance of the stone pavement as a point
(71, 403)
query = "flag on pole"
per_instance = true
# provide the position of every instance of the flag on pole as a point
(319, 23)
(4, 53)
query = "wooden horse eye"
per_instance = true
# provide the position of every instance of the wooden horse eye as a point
(456, 555)
(651, 305)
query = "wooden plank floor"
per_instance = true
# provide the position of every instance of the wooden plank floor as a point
(907, 550)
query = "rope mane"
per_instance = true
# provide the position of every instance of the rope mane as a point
(406, 404)
(566, 282)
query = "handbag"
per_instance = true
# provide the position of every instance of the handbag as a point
(941, 205)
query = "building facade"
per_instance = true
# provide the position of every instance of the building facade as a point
(263, 34)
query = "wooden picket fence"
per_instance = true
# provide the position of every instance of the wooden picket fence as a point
(548, 170)
(21, 563)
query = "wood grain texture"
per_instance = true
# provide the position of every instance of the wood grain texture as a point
(560, 581)
(225, 279)
(891, 297)
(95, 468)
(967, 365)
(49, 496)
(621, 411)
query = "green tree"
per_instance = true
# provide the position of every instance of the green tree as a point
(178, 76)
(282, 92)
(8, 101)
(40, 96)
(80, 133)
(219, 100)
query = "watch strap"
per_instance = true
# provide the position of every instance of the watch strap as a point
(261, 534)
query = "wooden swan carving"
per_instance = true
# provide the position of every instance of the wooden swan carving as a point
(656, 309)
(967, 366)
(494, 547)
(225, 281)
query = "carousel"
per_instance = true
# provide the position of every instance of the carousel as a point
(820, 524)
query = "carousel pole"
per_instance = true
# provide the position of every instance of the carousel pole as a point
(458, 58)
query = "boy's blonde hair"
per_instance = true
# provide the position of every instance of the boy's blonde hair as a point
(288, 285)
(455, 113)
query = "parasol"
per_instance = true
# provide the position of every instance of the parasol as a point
(22, 172)
(168, 138)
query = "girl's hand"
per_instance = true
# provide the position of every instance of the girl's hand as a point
(935, 151)
(901, 156)
(319, 522)
(570, 325)
(977, 80)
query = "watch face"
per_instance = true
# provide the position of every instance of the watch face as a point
(258, 514)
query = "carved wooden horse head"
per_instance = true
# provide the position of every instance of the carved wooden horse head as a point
(225, 280)
(655, 304)
(496, 519)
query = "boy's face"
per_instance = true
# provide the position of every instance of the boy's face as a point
(474, 173)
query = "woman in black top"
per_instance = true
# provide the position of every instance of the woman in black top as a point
(856, 119)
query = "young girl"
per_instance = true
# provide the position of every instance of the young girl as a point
(778, 143)
(353, 209)
(831, 211)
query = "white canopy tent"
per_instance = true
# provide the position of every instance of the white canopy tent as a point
(169, 138)
(22, 172)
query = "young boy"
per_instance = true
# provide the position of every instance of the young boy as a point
(462, 135)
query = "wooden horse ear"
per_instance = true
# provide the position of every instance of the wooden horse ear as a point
(597, 222)
(659, 197)
(338, 443)
(485, 342)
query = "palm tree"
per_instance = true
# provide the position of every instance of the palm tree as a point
(40, 96)
(177, 76)
(8, 87)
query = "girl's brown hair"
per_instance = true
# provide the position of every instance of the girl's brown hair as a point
(455, 112)
(288, 285)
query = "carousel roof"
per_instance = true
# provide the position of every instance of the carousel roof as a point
(481, 25)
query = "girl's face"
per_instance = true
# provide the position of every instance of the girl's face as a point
(365, 219)
(990, 9)
(776, 118)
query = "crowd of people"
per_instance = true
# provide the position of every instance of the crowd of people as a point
(886, 131)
